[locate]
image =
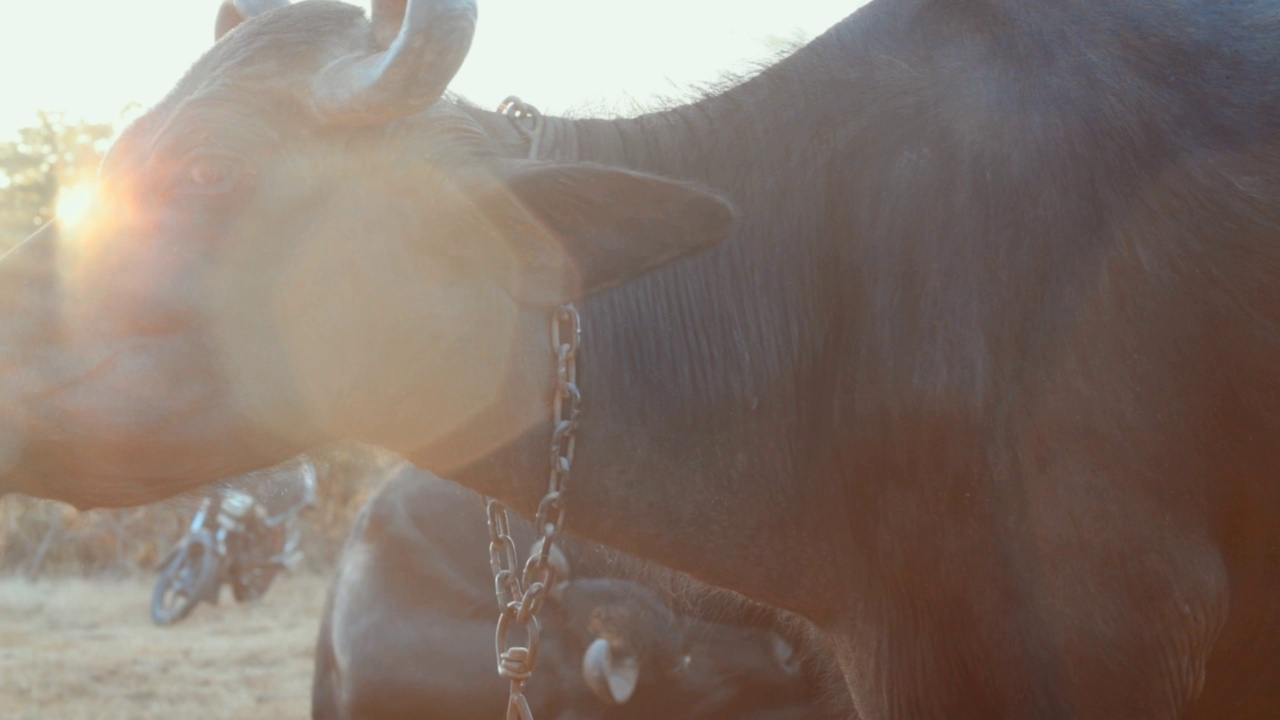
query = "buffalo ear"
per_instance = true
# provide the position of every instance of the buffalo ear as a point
(571, 230)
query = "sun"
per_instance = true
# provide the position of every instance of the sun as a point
(73, 203)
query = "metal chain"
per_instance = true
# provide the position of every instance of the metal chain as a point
(520, 595)
(519, 111)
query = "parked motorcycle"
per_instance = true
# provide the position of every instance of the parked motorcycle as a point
(233, 539)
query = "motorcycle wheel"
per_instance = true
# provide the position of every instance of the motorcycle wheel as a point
(184, 579)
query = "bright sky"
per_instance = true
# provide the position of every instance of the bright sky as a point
(91, 58)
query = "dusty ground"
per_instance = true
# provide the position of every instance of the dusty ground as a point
(86, 650)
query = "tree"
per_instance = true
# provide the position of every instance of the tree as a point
(42, 160)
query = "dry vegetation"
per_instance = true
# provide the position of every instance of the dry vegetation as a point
(75, 649)
(76, 639)
(39, 538)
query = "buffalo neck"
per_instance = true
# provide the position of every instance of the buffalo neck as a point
(701, 379)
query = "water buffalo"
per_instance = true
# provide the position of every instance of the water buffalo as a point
(971, 354)
(409, 626)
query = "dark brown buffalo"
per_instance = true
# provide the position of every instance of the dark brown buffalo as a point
(408, 631)
(985, 381)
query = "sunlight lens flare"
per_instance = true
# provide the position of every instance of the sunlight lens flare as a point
(73, 204)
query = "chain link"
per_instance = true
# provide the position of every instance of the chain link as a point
(520, 595)
(519, 111)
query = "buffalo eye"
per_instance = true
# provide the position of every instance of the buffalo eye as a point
(214, 173)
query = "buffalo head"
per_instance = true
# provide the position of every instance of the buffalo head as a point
(639, 657)
(304, 242)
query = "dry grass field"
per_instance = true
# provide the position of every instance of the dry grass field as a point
(75, 649)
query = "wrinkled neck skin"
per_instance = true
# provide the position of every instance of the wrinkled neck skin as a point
(697, 439)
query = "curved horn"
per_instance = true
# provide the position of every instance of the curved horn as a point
(613, 679)
(410, 74)
(785, 654)
(234, 12)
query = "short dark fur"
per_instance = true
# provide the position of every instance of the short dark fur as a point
(408, 629)
(985, 385)
(1005, 283)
